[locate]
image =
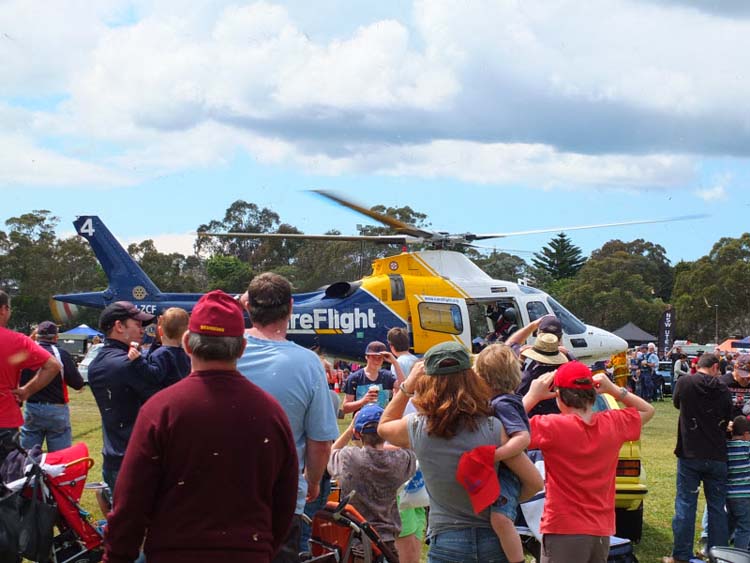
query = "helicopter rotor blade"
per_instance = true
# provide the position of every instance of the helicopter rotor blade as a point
(506, 250)
(581, 227)
(409, 234)
(386, 220)
(386, 239)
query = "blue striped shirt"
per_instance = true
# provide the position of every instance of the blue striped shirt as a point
(738, 469)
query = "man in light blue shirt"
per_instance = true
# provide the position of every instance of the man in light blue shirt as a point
(398, 340)
(294, 376)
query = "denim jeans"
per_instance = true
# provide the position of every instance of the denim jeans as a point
(690, 474)
(45, 420)
(466, 545)
(739, 520)
(647, 387)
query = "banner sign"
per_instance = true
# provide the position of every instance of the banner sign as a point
(666, 332)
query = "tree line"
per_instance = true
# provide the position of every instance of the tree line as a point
(619, 282)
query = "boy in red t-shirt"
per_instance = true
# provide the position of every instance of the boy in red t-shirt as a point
(581, 448)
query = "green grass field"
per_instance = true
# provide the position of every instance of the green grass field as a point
(657, 447)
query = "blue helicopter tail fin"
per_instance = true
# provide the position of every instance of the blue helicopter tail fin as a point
(127, 281)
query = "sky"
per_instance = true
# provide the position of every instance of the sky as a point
(488, 116)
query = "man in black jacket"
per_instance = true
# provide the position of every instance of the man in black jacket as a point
(121, 381)
(705, 406)
(47, 415)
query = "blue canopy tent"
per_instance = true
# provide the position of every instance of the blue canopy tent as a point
(81, 330)
(76, 340)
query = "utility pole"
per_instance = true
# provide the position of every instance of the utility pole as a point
(716, 320)
(716, 328)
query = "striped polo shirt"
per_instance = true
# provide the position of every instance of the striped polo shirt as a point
(738, 469)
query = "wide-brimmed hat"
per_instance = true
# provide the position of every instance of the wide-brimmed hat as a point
(545, 350)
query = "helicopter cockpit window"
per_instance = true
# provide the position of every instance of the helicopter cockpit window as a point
(570, 324)
(536, 309)
(440, 317)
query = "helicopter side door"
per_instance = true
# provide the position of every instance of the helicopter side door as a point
(487, 314)
(438, 319)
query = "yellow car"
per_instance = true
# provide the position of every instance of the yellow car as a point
(630, 483)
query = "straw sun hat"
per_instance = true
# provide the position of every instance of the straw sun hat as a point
(545, 350)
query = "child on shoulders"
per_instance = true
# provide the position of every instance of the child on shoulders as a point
(499, 366)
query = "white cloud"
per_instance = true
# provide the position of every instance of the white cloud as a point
(43, 46)
(716, 193)
(674, 60)
(22, 163)
(609, 94)
(167, 243)
(497, 163)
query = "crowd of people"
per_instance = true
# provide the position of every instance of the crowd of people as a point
(649, 377)
(217, 442)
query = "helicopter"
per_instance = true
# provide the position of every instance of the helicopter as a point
(437, 295)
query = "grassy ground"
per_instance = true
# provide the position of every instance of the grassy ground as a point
(657, 447)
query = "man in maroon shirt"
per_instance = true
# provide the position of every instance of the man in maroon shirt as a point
(210, 472)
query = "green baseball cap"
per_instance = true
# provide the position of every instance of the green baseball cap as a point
(446, 358)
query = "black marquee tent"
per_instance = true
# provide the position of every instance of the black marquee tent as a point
(634, 335)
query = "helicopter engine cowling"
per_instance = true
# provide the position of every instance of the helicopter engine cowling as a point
(342, 289)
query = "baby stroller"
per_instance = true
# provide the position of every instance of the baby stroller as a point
(341, 535)
(46, 496)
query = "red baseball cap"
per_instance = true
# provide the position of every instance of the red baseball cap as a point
(574, 375)
(217, 314)
(476, 473)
